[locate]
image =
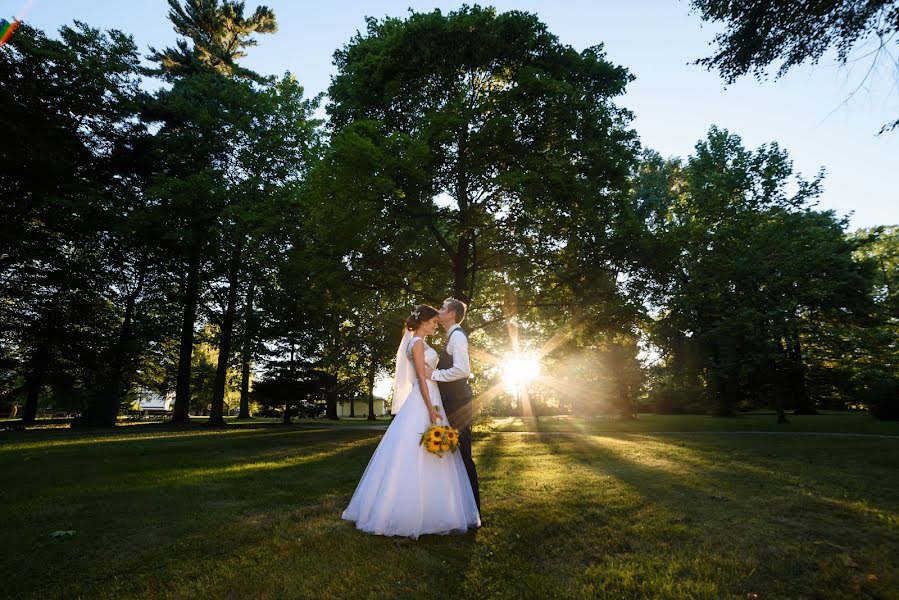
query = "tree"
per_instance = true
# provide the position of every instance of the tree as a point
(271, 148)
(216, 35)
(863, 356)
(759, 33)
(70, 112)
(481, 136)
(745, 268)
(197, 115)
(188, 192)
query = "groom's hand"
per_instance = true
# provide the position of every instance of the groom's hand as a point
(428, 371)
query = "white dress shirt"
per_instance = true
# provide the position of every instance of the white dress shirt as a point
(457, 347)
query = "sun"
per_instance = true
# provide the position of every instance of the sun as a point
(520, 369)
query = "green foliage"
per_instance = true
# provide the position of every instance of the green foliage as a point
(467, 153)
(214, 36)
(882, 397)
(748, 275)
(67, 120)
(479, 137)
(758, 33)
(472, 154)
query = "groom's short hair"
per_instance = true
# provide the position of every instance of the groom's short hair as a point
(456, 306)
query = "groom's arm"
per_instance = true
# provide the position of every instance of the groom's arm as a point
(461, 369)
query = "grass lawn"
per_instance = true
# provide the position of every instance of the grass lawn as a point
(253, 512)
(860, 422)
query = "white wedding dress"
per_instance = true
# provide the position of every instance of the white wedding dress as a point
(405, 490)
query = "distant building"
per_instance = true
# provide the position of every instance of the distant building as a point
(153, 403)
(361, 408)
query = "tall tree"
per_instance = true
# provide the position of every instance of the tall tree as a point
(214, 36)
(71, 107)
(860, 358)
(206, 80)
(481, 136)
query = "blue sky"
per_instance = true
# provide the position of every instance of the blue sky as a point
(806, 112)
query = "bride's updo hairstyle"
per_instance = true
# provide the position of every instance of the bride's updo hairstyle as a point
(422, 313)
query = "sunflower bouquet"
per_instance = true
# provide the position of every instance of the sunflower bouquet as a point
(438, 439)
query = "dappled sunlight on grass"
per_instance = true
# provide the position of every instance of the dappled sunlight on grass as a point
(559, 510)
(720, 469)
(568, 515)
(93, 438)
(886, 517)
(700, 424)
(677, 518)
(678, 459)
(198, 475)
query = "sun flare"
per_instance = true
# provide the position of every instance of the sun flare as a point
(520, 369)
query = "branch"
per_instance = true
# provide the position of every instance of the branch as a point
(441, 240)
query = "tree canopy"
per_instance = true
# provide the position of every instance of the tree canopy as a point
(215, 241)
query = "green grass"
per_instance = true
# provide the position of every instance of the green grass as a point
(253, 512)
(824, 423)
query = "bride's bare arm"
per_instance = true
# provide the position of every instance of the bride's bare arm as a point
(418, 359)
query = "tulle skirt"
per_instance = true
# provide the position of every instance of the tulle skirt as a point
(407, 491)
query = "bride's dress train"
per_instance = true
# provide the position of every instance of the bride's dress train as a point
(407, 491)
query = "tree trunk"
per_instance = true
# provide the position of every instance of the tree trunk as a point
(105, 412)
(180, 412)
(781, 415)
(775, 377)
(246, 355)
(624, 398)
(724, 409)
(462, 258)
(803, 402)
(618, 359)
(331, 397)
(216, 416)
(371, 393)
(292, 383)
(34, 382)
(460, 270)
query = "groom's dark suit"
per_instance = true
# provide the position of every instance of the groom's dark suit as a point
(457, 396)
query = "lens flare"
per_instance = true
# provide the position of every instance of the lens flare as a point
(7, 29)
(520, 369)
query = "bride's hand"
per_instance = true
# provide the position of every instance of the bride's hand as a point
(434, 416)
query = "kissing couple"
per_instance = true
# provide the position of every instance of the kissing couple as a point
(405, 490)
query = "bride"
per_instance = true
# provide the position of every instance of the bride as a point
(405, 490)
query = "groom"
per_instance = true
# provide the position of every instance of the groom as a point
(451, 376)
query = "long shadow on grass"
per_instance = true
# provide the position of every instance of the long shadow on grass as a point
(715, 471)
(732, 515)
(75, 440)
(162, 463)
(282, 524)
(296, 540)
(122, 527)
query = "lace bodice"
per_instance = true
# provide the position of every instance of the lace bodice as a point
(431, 356)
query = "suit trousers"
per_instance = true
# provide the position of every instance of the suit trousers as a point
(459, 415)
